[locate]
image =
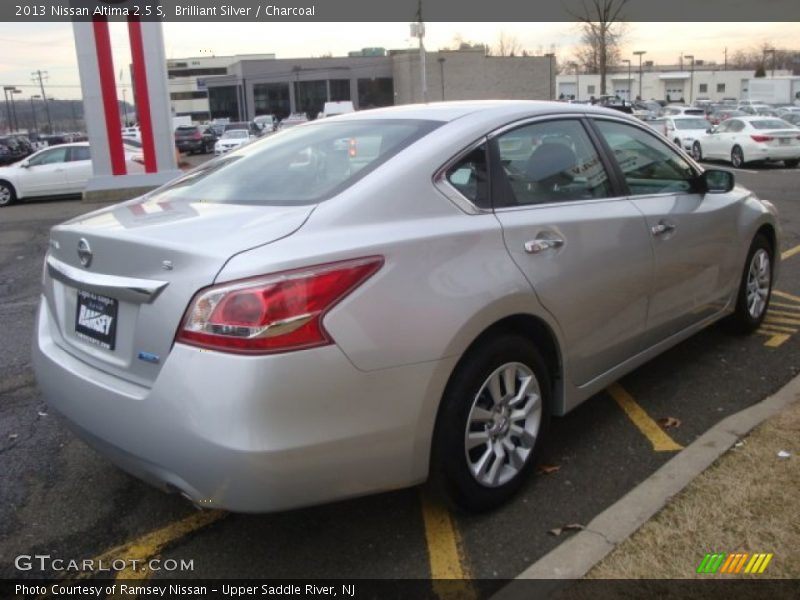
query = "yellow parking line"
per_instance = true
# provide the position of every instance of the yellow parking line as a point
(449, 572)
(781, 320)
(790, 252)
(786, 296)
(783, 313)
(778, 328)
(661, 441)
(794, 307)
(775, 339)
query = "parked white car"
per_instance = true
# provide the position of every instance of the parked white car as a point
(133, 133)
(674, 110)
(683, 131)
(231, 140)
(741, 140)
(61, 170)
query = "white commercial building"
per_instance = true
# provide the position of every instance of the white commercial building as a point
(674, 86)
(188, 93)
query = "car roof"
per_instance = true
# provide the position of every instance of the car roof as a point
(450, 111)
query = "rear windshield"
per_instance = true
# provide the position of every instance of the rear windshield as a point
(303, 165)
(769, 124)
(691, 124)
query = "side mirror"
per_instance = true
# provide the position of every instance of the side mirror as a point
(716, 181)
(25, 164)
(710, 130)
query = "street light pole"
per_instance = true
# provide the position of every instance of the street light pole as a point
(11, 93)
(630, 83)
(691, 78)
(639, 53)
(441, 73)
(33, 112)
(769, 51)
(550, 56)
(8, 107)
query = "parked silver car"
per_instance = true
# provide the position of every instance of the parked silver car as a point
(351, 305)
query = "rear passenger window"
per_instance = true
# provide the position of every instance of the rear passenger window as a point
(553, 161)
(79, 153)
(649, 165)
(469, 177)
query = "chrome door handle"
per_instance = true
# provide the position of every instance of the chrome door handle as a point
(536, 246)
(662, 228)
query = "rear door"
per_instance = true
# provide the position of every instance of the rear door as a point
(78, 168)
(693, 235)
(584, 249)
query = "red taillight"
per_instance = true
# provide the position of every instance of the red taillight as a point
(197, 135)
(762, 138)
(274, 313)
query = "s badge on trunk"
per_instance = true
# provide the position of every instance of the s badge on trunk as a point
(84, 252)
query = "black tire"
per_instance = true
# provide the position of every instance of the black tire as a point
(737, 157)
(743, 320)
(697, 152)
(8, 195)
(791, 164)
(450, 467)
(677, 142)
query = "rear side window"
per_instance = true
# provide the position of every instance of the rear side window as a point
(302, 165)
(79, 153)
(649, 165)
(470, 177)
(552, 161)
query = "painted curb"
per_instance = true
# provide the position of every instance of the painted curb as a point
(575, 557)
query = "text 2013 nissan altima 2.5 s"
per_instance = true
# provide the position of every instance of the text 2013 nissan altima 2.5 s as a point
(353, 304)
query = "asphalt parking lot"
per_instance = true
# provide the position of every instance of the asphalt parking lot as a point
(58, 497)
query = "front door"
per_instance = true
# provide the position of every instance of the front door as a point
(585, 250)
(45, 175)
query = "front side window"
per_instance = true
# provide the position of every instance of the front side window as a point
(552, 161)
(649, 165)
(49, 157)
(469, 175)
(302, 165)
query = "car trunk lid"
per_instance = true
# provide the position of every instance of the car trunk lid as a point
(118, 280)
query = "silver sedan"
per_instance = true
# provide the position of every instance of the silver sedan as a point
(354, 304)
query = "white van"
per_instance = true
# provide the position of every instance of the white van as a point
(341, 107)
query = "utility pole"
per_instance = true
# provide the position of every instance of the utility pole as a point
(40, 76)
(726, 60)
(639, 53)
(630, 81)
(441, 73)
(550, 56)
(11, 93)
(691, 79)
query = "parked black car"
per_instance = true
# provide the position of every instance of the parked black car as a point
(12, 150)
(194, 139)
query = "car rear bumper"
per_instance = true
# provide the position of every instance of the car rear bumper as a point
(191, 145)
(773, 153)
(250, 434)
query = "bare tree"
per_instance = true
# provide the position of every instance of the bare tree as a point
(508, 45)
(602, 30)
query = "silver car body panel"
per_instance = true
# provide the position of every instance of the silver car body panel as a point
(255, 433)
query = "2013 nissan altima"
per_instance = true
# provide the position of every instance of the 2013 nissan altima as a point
(356, 303)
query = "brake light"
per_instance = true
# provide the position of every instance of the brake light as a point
(197, 135)
(762, 138)
(274, 313)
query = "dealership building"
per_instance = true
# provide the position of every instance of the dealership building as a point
(371, 78)
(673, 83)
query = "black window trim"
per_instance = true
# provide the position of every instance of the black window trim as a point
(450, 192)
(592, 123)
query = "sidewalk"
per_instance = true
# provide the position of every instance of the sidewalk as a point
(728, 492)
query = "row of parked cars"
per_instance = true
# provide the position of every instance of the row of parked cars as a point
(16, 146)
(748, 133)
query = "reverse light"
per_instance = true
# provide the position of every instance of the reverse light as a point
(273, 313)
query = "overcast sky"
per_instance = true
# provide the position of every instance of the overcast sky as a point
(50, 47)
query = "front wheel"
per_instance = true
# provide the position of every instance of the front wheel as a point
(697, 152)
(491, 422)
(737, 157)
(7, 194)
(755, 287)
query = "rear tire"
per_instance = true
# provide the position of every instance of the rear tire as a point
(791, 164)
(737, 157)
(491, 422)
(8, 194)
(697, 152)
(755, 288)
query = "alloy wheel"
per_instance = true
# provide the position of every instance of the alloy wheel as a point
(503, 424)
(758, 283)
(737, 158)
(5, 195)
